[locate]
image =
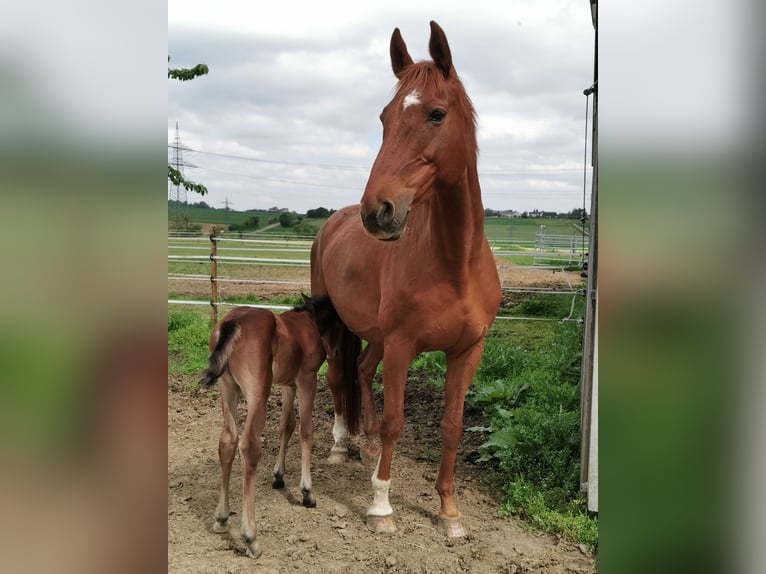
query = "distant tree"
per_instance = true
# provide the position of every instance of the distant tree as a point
(175, 176)
(286, 219)
(319, 213)
(524, 215)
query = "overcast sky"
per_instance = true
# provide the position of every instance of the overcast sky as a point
(288, 115)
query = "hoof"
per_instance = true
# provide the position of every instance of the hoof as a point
(308, 500)
(220, 526)
(451, 527)
(381, 523)
(338, 457)
(370, 457)
(253, 550)
(278, 482)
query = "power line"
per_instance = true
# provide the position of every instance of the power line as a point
(281, 180)
(486, 171)
(279, 162)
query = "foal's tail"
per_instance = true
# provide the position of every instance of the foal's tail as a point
(345, 347)
(228, 335)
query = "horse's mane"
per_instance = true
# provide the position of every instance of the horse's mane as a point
(426, 73)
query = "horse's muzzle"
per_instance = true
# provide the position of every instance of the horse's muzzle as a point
(382, 221)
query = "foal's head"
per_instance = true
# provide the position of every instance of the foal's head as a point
(429, 138)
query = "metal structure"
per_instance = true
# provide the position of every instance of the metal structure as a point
(176, 192)
(589, 380)
(559, 249)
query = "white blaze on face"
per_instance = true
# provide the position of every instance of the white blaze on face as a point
(410, 99)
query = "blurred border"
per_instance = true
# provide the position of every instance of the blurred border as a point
(681, 315)
(83, 410)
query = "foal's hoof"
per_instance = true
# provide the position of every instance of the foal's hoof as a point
(278, 482)
(381, 523)
(308, 500)
(253, 550)
(220, 527)
(451, 527)
(338, 457)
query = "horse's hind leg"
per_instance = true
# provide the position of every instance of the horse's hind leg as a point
(286, 429)
(227, 448)
(250, 451)
(339, 451)
(307, 385)
(368, 364)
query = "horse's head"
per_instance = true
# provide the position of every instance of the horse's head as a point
(429, 138)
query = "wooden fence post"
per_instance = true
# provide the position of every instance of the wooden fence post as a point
(213, 274)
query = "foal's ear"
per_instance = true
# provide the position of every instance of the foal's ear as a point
(439, 50)
(400, 57)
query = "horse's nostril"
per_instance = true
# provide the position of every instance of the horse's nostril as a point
(386, 213)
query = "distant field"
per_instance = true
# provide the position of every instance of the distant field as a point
(496, 228)
(524, 230)
(219, 216)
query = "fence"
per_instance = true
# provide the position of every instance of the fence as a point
(554, 250)
(291, 254)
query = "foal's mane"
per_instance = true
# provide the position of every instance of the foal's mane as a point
(426, 74)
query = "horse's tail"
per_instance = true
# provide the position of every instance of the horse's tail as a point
(346, 347)
(228, 335)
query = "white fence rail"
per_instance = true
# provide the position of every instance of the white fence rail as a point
(550, 250)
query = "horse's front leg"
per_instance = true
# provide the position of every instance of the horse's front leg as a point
(460, 371)
(396, 360)
(368, 364)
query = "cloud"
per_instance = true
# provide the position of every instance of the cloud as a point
(304, 88)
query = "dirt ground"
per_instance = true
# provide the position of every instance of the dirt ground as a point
(333, 537)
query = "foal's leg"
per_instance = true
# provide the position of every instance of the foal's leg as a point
(286, 428)
(250, 451)
(307, 385)
(368, 364)
(227, 448)
(339, 451)
(460, 371)
(380, 516)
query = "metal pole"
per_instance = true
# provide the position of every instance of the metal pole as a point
(589, 340)
(213, 274)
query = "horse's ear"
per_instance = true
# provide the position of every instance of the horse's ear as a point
(400, 57)
(439, 50)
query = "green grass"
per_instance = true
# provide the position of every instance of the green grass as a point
(528, 386)
(188, 333)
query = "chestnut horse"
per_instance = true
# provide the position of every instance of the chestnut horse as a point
(251, 349)
(409, 269)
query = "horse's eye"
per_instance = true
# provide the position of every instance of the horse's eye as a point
(437, 116)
